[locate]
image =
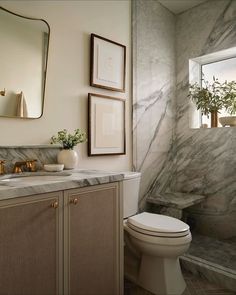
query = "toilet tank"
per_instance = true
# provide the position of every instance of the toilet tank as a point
(131, 185)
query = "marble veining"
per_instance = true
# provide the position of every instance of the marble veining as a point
(221, 252)
(213, 272)
(68, 180)
(170, 155)
(153, 93)
(176, 200)
(45, 154)
(205, 159)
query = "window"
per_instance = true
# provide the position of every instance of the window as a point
(222, 70)
(221, 65)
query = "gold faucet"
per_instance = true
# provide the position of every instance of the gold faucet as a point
(2, 167)
(29, 166)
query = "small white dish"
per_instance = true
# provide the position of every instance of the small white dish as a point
(53, 167)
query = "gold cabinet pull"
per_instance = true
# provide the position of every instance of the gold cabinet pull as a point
(55, 205)
(74, 201)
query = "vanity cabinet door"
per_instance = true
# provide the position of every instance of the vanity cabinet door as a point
(29, 245)
(93, 256)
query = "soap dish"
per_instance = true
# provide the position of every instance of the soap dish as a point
(53, 167)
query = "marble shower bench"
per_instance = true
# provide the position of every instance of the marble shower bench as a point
(173, 203)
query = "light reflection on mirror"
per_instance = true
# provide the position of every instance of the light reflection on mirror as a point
(23, 64)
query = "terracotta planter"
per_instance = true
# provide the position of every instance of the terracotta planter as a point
(214, 119)
(69, 158)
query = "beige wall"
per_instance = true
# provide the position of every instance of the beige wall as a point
(67, 86)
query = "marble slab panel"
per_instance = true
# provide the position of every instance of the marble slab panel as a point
(205, 158)
(153, 93)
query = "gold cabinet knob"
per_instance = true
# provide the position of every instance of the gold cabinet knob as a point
(55, 204)
(74, 201)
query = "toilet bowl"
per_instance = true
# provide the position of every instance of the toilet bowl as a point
(158, 239)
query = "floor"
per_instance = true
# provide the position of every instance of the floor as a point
(195, 286)
(213, 250)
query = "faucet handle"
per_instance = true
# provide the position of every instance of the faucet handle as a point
(2, 167)
(17, 167)
(31, 165)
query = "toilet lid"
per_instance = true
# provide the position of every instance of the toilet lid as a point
(158, 225)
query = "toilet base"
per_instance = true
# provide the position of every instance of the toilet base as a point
(161, 276)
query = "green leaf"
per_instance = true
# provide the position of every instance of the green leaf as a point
(215, 96)
(67, 140)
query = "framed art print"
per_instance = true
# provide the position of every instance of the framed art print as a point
(108, 64)
(106, 126)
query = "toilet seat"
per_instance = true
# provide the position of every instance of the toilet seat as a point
(157, 225)
(158, 234)
(169, 241)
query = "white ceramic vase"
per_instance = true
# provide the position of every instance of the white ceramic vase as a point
(69, 158)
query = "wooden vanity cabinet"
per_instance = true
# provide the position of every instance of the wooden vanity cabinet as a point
(30, 245)
(93, 248)
(62, 243)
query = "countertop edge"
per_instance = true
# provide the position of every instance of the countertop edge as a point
(77, 179)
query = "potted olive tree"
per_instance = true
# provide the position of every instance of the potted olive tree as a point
(210, 99)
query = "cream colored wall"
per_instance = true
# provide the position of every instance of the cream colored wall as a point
(67, 86)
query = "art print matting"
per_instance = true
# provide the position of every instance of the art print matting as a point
(108, 64)
(106, 126)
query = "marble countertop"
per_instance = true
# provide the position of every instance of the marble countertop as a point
(26, 184)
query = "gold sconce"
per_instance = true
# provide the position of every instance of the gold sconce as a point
(3, 92)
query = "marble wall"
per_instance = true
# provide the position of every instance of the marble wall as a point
(44, 154)
(170, 155)
(205, 158)
(153, 93)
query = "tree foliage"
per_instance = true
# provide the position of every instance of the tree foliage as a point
(214, 97)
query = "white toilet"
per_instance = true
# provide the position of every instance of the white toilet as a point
(159, 239)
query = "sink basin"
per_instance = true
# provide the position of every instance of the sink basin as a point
(33, 179)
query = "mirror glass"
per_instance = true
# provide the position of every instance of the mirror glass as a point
(23, 64)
